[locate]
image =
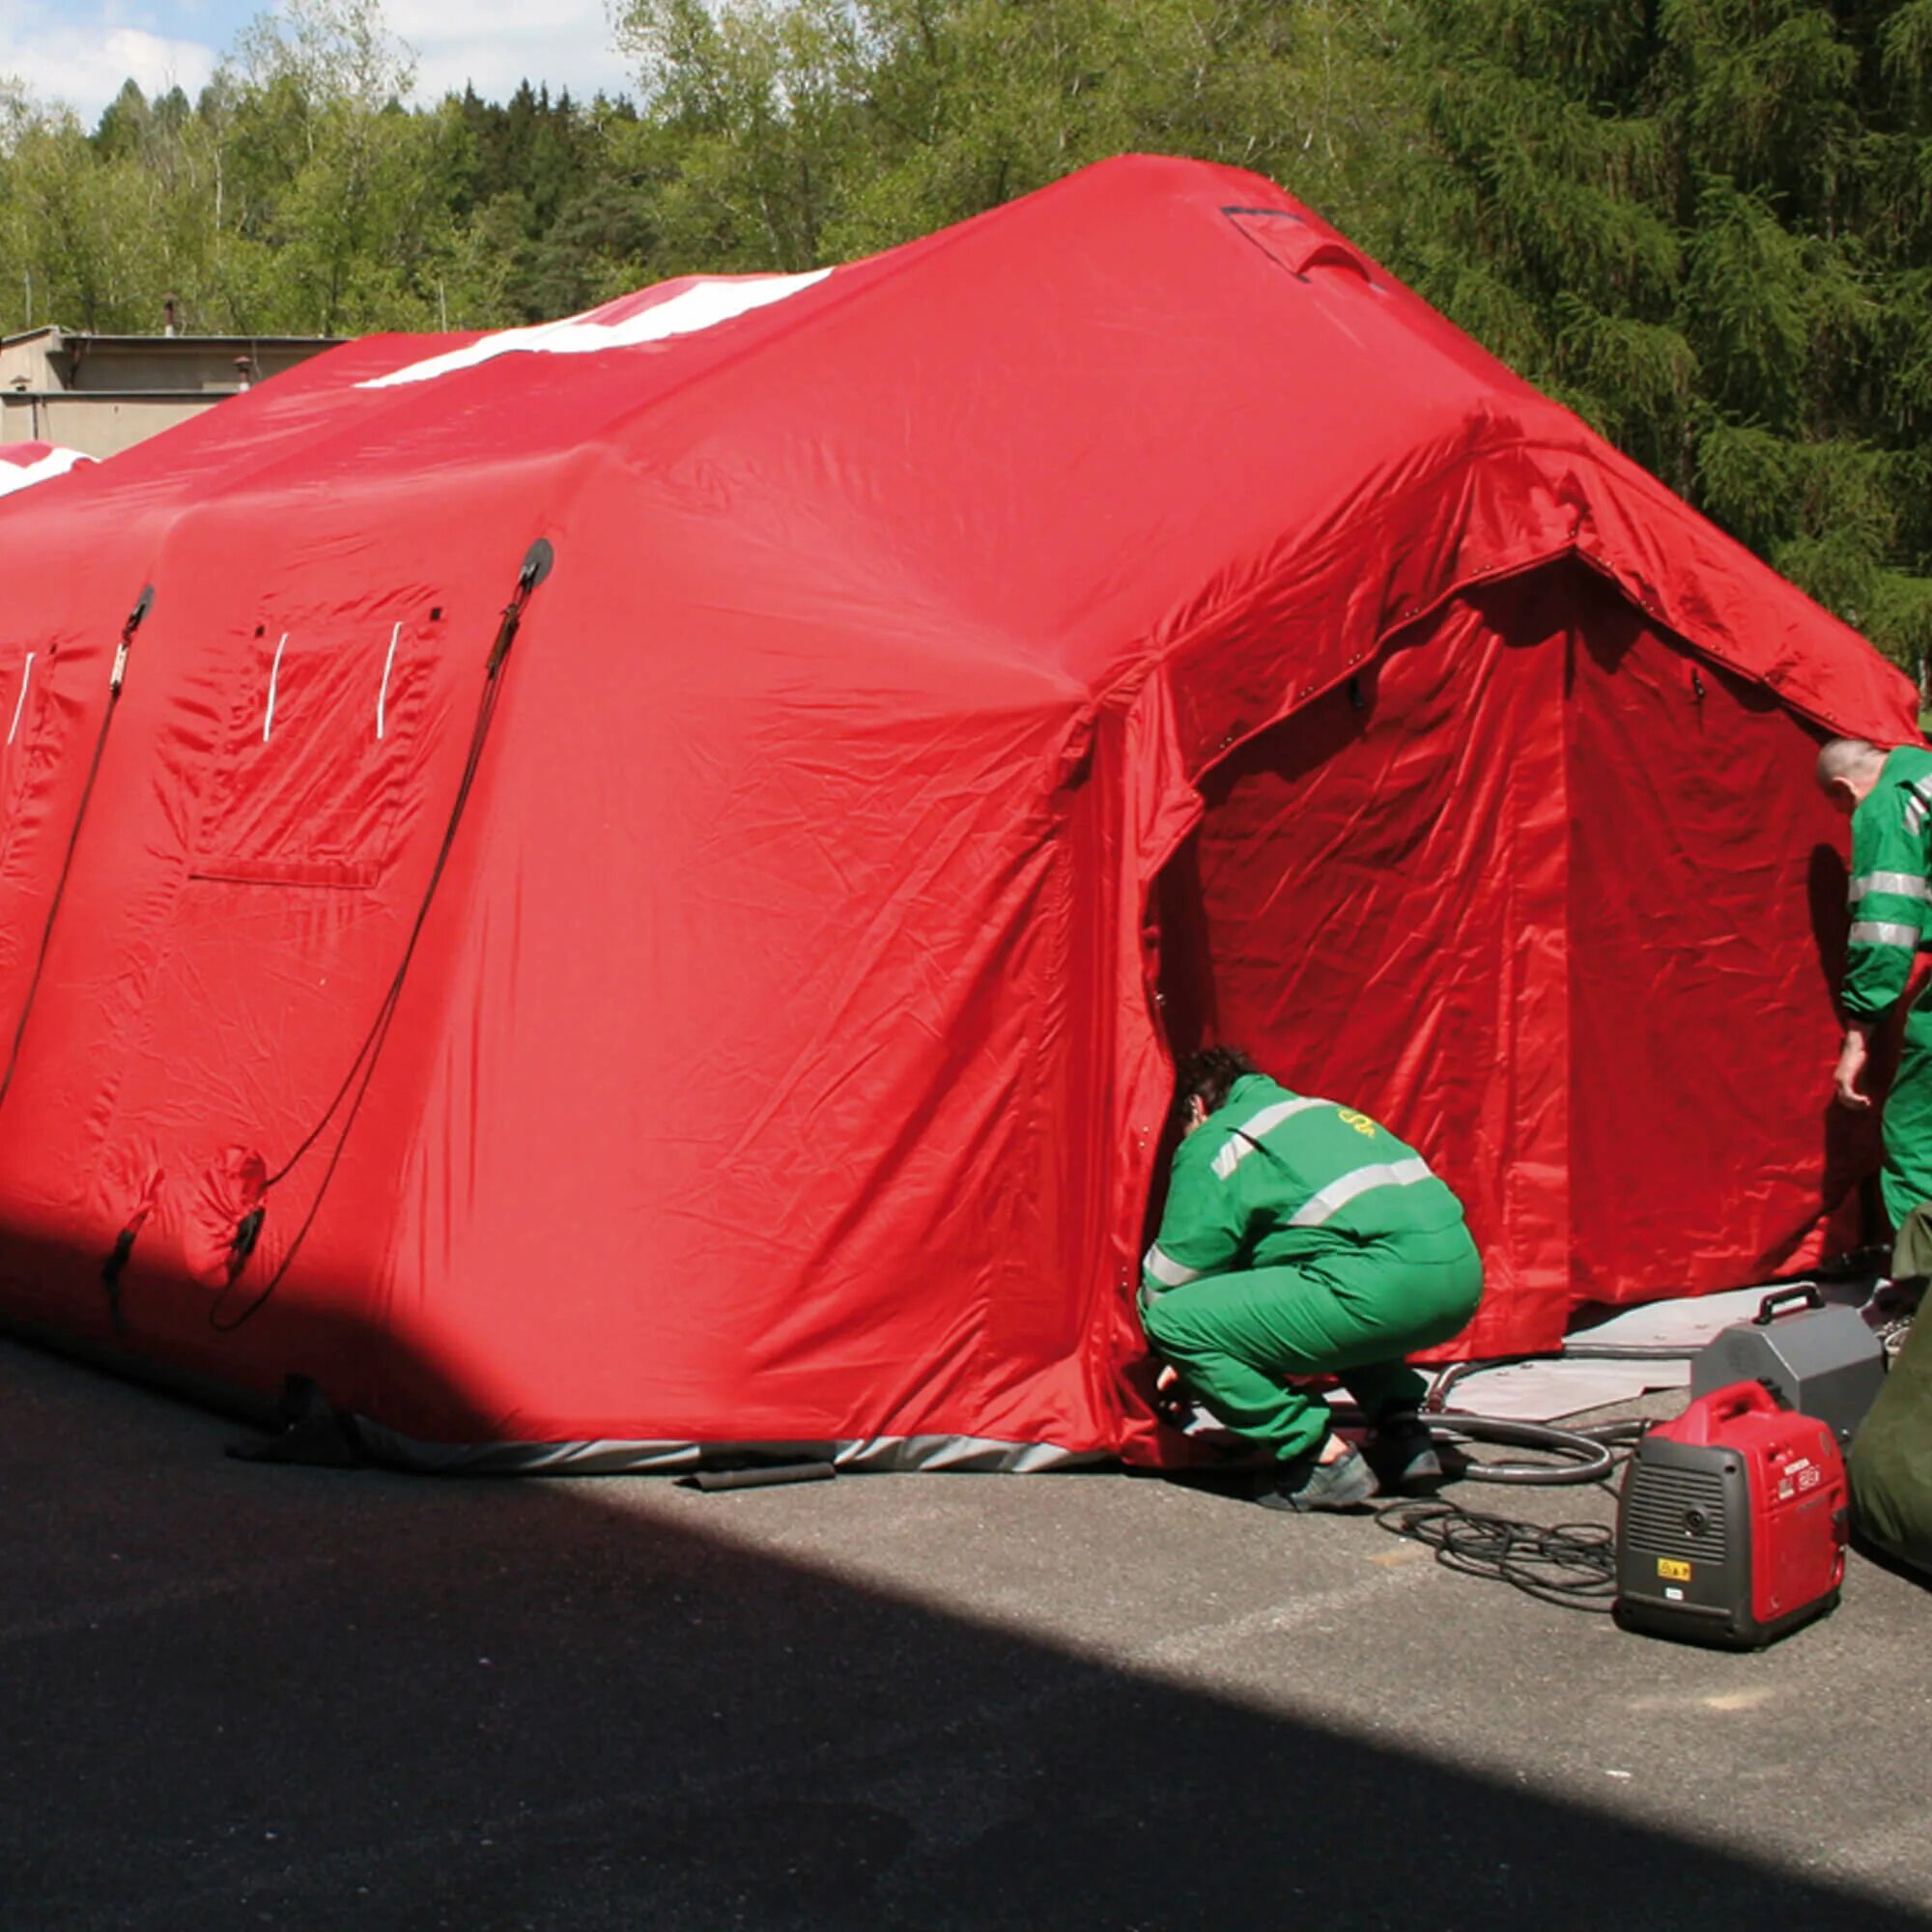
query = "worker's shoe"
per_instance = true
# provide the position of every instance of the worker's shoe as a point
(1307, 1483)
(1403, 1452)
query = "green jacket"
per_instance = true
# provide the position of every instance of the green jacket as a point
(1272, 1177)
(1890, 885)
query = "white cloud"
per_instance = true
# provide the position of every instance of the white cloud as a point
(491, 45)
(84, 64)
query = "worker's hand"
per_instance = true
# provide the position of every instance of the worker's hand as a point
(1846, 1089)
(1171, 1400)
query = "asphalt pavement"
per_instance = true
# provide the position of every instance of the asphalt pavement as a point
(244, 1695)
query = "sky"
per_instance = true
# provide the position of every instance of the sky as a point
(82, 50)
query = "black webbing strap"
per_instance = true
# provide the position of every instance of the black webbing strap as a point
(110, 1274)
(142, 605)
(349, 1097)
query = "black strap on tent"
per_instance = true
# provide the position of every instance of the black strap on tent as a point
(349, 1097)
(110, 1274)
(143, 603)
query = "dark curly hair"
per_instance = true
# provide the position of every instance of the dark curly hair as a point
(1208, 1076)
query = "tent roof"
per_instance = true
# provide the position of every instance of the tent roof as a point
(1158, 404)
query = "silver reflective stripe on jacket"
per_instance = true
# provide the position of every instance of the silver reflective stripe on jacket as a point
(1345, 1187)
(1916, 801)
(1166, 1271)
(1241, 1140)
(1900, 885)
(1881, 932)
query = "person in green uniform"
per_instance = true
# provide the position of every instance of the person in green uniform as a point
(1301, 1237)
(1888, 796)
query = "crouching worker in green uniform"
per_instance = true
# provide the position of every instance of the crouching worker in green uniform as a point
(1303, 1238)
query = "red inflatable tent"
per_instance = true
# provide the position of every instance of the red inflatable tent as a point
(643, 877)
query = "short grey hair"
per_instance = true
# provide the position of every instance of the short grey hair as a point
(1842, 757)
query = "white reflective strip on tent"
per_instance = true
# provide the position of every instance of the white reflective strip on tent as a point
(872, 1455)
(20, 702)
(275, 673)
(388, 665)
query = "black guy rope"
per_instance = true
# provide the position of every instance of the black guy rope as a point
(355, 1086)
(142, 605)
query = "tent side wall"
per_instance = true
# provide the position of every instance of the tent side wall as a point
(1707, 889)
(745, 1079)
(1537, 887)
(267, 816)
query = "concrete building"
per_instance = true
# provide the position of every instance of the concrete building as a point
(101, 393)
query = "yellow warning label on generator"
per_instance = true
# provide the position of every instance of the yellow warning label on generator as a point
(1677, 1572)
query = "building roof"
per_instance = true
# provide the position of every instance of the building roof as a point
(59, 335)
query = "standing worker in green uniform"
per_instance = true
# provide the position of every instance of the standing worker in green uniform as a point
(1303, 1238)
(1888, 796)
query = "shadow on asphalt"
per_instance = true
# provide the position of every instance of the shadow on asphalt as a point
(244, 1695)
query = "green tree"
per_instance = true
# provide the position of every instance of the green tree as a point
(332, 199)
(77, 236)
(809, 128)
(1707, 225)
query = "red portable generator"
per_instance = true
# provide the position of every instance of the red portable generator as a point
(1732, 1522)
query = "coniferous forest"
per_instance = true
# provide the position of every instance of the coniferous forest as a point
(1704, 224)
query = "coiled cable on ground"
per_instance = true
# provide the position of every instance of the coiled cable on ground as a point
(1581, 1455)
(1569, 1564)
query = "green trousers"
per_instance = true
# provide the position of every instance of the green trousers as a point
(1906, 1178)
(1891, 1460)
(1354, 1311)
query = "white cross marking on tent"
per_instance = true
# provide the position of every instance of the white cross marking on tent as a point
(703, 306)
(22, 475)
